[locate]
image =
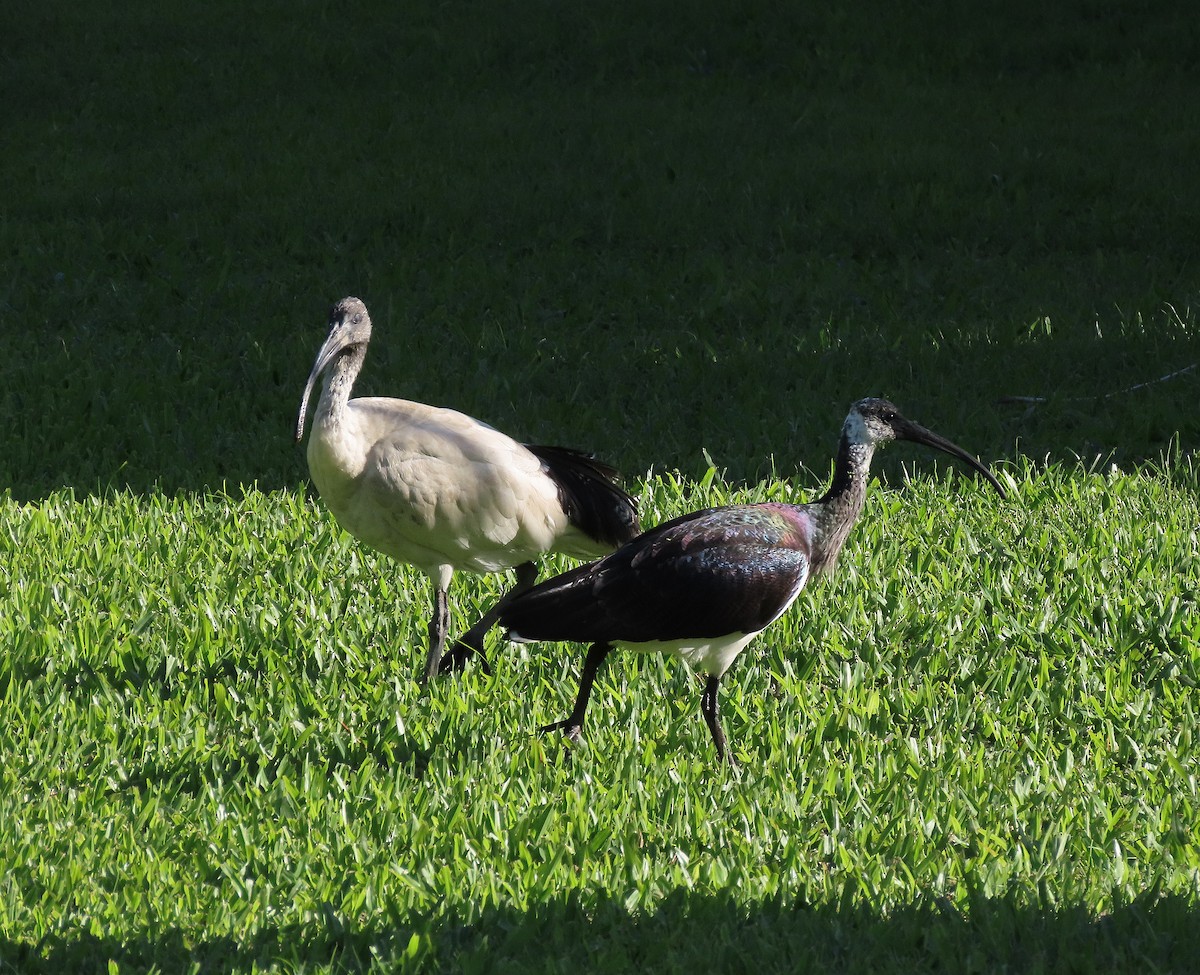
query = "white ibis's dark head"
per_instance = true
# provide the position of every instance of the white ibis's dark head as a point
(349, 331)
(876, 421)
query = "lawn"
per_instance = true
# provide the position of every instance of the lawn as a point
(687, 241)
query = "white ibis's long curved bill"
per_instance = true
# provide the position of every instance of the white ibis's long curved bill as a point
(328, 351)
(918, 434)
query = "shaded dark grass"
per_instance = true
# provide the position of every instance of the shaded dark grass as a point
(686, 932)
(640, 234)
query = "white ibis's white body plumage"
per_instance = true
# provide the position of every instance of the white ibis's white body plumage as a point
(442, 491)
(438, 489)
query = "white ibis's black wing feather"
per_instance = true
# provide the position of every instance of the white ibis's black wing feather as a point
(707, 574)
(589, 494)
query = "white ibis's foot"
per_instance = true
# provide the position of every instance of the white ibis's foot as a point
(567, 727)
(455, 660)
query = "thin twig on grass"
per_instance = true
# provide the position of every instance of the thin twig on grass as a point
(1031, 400)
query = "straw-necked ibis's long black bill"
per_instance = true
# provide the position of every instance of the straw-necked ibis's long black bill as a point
(918, 434)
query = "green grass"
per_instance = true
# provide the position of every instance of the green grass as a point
(216, 754)
(685, 241)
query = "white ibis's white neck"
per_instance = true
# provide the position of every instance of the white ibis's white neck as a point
(339, 381)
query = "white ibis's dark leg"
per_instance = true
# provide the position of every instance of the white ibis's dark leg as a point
(708, 707)
(471, 642)
(439, 623)
(573, 725)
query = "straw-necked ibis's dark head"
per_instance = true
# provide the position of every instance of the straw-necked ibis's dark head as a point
(872, 422)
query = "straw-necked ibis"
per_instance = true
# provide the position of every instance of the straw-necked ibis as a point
(700, 587)
(443, 492)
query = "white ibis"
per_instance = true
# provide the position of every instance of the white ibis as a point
(702, 586)
(442, 491)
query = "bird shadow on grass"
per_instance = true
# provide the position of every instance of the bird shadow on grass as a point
(686, 931)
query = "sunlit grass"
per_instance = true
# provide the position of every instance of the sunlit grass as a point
(212, 730)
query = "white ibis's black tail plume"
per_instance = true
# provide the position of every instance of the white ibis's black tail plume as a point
(702, 586)
(589, 494)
